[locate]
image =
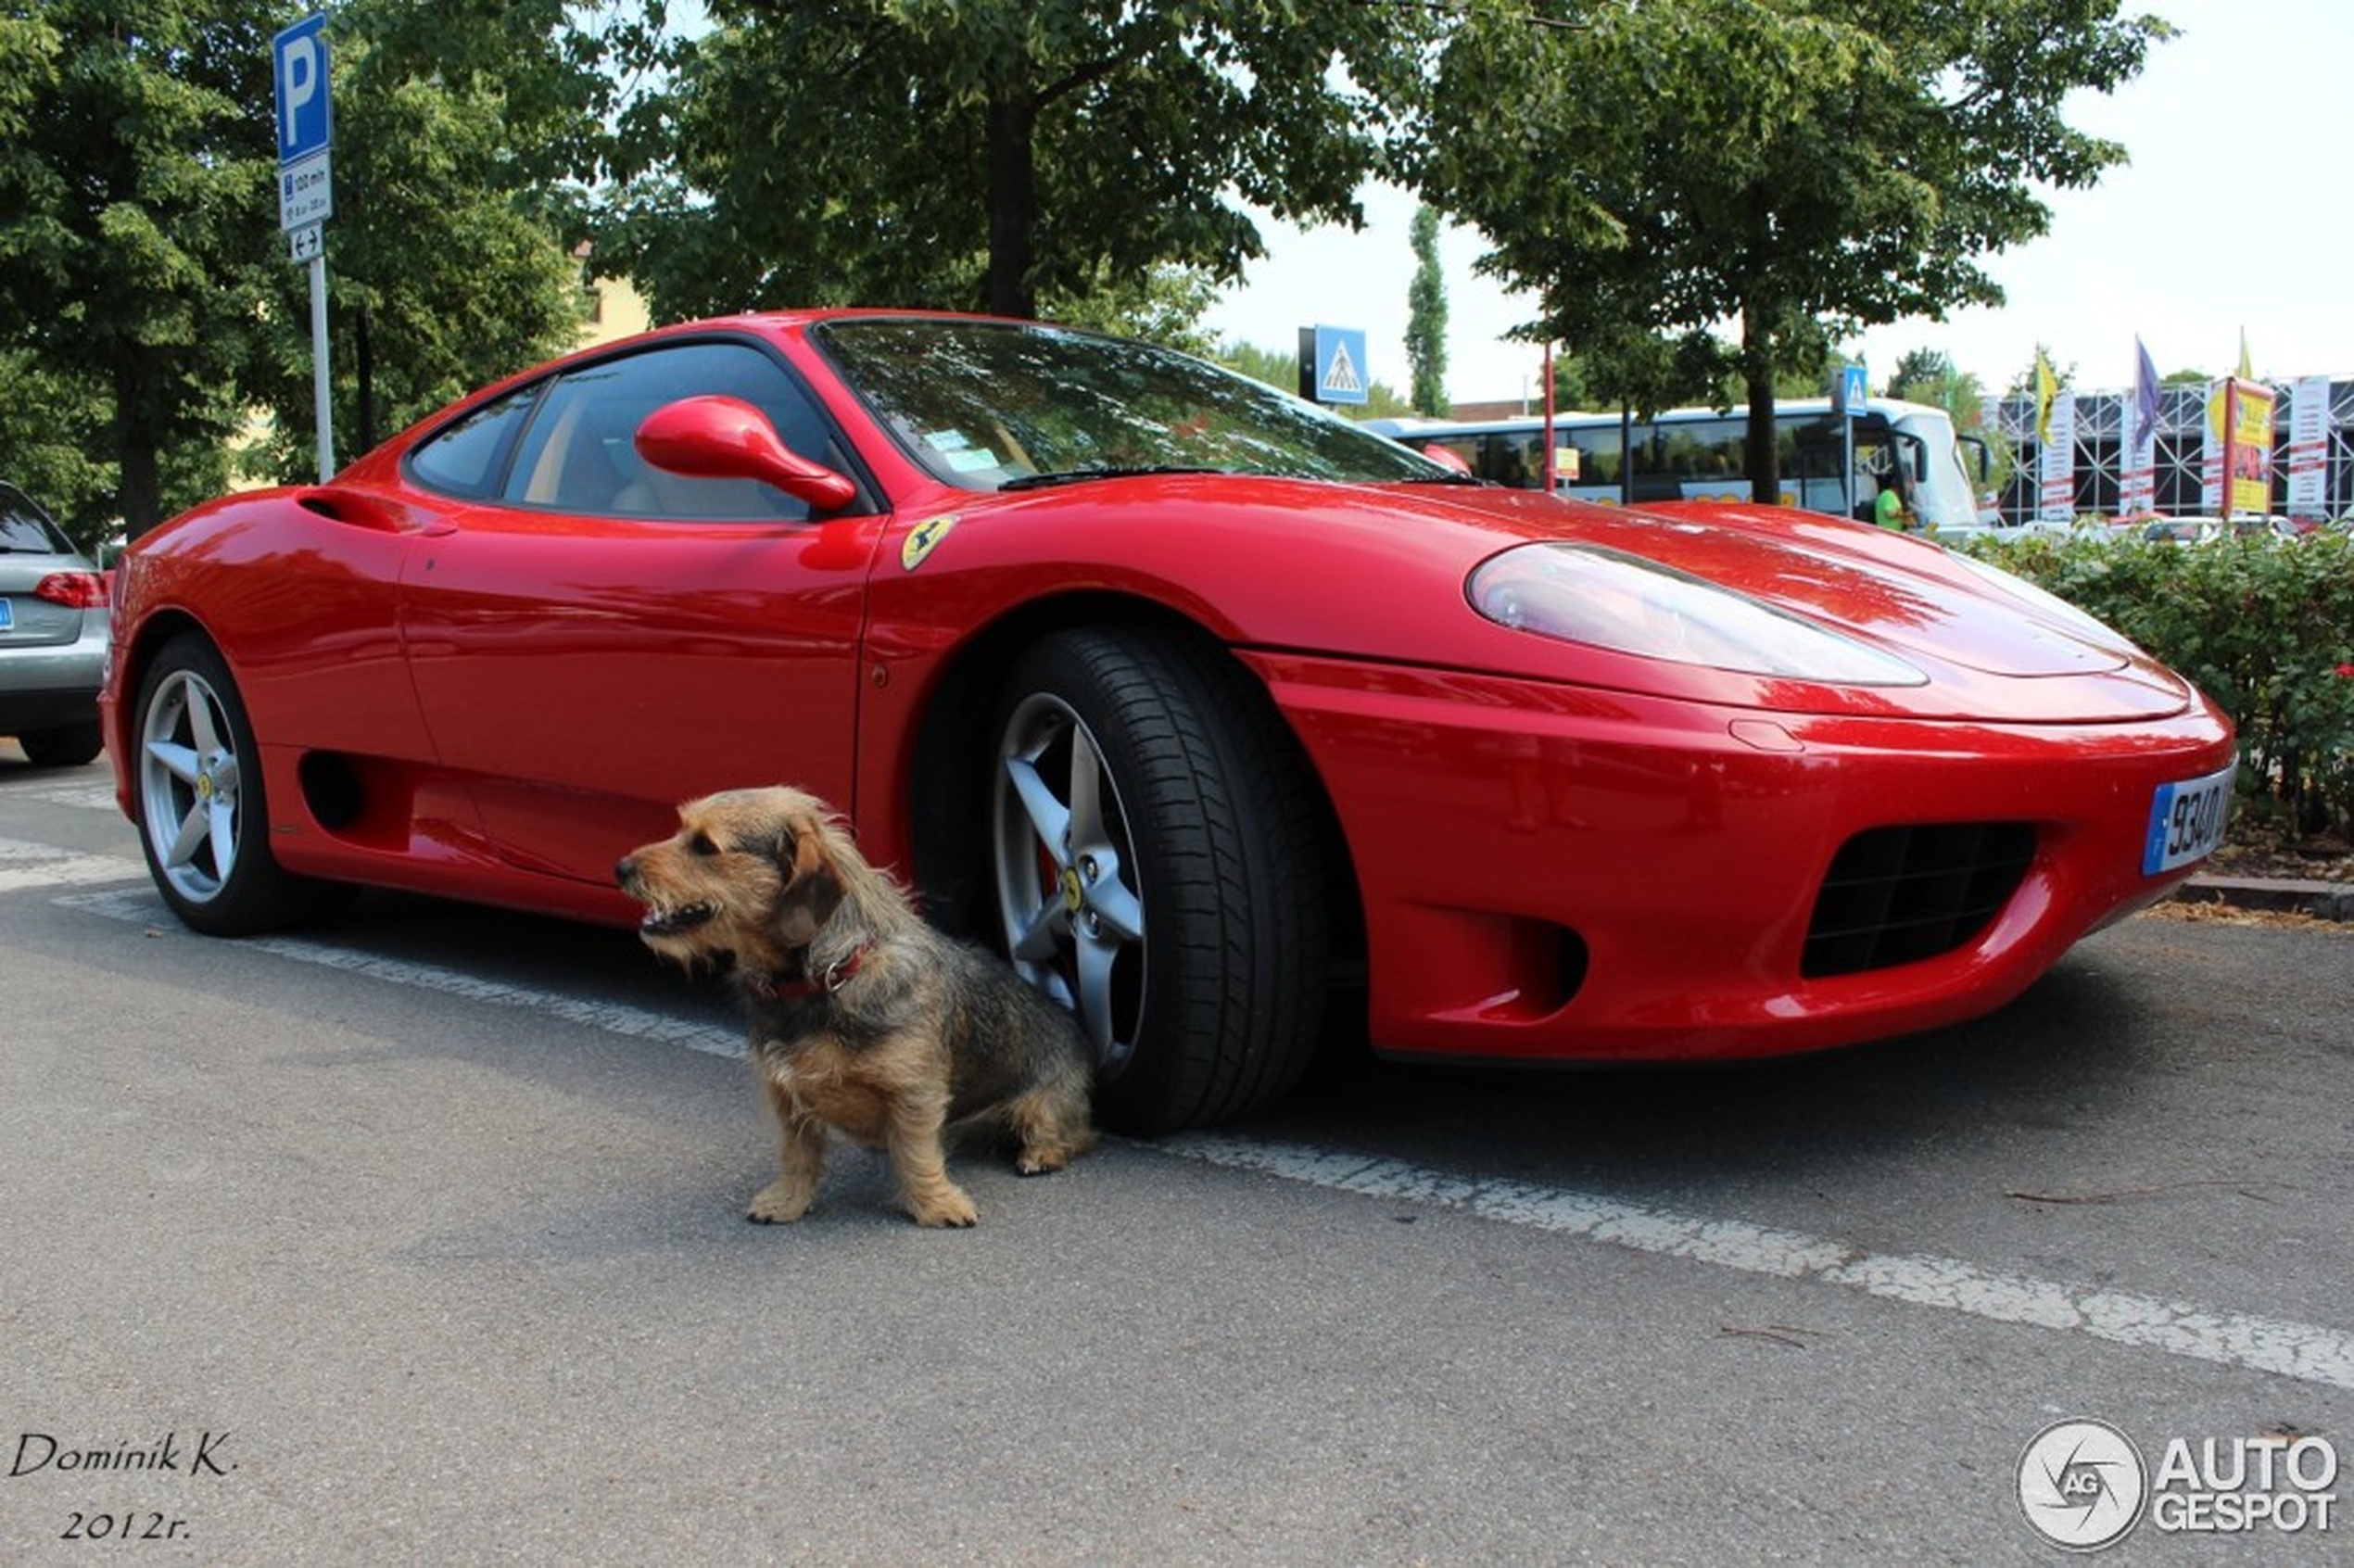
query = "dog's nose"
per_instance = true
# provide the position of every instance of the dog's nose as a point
(625, 870)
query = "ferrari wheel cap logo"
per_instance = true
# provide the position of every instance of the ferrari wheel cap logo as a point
(922, 540)
(1074, 895)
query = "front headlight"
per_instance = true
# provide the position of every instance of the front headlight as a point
(1608, 599)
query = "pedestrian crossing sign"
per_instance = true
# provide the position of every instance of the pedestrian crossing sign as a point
(1338, 358)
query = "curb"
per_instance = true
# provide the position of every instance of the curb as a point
(2324, 901)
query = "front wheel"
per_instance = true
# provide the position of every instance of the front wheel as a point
(203, 822)
(1158, 868)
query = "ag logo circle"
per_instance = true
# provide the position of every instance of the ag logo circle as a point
(2082, 1485)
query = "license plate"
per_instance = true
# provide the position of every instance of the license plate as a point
(2186, 821)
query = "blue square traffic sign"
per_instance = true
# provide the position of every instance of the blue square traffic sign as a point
(298, 70)
(1340, 364)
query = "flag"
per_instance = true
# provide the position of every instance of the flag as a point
(2248, 366)
(2046, 388)
(2144, 395)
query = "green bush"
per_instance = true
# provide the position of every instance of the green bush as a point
(2264, 625)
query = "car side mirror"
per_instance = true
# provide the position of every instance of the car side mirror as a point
(717, 438)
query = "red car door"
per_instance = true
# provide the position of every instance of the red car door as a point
(604, 640)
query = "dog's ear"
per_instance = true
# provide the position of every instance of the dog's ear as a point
(813, 888)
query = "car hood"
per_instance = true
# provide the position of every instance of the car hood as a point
(1341, 569)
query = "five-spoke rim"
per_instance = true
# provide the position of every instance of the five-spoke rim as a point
(1069, 888)
(188, 785)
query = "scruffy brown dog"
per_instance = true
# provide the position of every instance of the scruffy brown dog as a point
(863, 1016)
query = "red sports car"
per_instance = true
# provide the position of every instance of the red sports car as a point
(1217, 712)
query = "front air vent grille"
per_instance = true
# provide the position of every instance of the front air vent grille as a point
(1897, 895)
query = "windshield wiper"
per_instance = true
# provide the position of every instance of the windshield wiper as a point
(1074, 476)
(1449, 477)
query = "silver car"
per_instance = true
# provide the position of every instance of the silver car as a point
(53, 637)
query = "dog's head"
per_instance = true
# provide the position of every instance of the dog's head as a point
(751, 876)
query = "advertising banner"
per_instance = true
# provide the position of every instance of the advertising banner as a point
(2308, 447)
(2056, 465)
(2250, 446)
(2239, 427)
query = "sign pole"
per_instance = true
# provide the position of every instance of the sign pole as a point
(305, 114)
(322, 406)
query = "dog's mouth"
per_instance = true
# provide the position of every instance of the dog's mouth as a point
(670, 922)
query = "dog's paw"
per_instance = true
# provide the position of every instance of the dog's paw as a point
(778, 1204)
(945, 1210)
(1040, 1162)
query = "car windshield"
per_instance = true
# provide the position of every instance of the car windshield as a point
(1003, 405)
(24, 527)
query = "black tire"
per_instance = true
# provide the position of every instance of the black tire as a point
(69, 746)
(204, 820)
(1183, 913)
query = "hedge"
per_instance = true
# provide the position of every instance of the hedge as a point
(2265, 626)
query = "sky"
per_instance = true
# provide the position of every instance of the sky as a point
(2232, 217)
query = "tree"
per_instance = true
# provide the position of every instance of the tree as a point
(1426, 319)
(136, 185)
(992, 152)
(1797, 170)
(449, 256)
(145, 289)
(1918, 366)
(1164, 304)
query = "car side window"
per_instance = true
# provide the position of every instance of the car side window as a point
(580, 453)
(469, 458)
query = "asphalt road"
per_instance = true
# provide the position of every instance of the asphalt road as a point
(416, 1239)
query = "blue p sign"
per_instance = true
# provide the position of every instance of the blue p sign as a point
(298, 61)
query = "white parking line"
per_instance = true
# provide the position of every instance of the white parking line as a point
(2306, 1351)
(2310, 1352)
(638, 1023)
(91, 797)
(25, 864)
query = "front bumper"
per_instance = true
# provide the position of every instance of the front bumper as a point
(1554, 873)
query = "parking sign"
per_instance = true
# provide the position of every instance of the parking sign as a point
(299, 64)
(306, 124)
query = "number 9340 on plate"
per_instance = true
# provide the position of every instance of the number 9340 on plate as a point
(2186, 820)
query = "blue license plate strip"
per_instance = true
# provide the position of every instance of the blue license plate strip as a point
(2186, 821)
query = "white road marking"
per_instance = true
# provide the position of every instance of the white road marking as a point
(2310, 1352)
(2306, 1351)
(92, 797)
(638, 1023)
(25, 864)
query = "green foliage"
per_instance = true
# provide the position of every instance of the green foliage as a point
(1164, 305)
(51, 420)
(136, 198)
(146, 304)
(1804, 168)
(2265, 626)
(1427, 319)
(448, 265)
(991, 154)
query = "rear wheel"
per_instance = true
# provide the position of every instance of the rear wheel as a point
(1158, 868)
(204, 824)
(69, 746)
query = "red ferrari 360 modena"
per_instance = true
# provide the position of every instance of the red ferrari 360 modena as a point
(1214, 712)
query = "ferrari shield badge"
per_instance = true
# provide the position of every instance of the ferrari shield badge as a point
(922, 539)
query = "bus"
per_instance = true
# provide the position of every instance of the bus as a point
(1690, 454)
